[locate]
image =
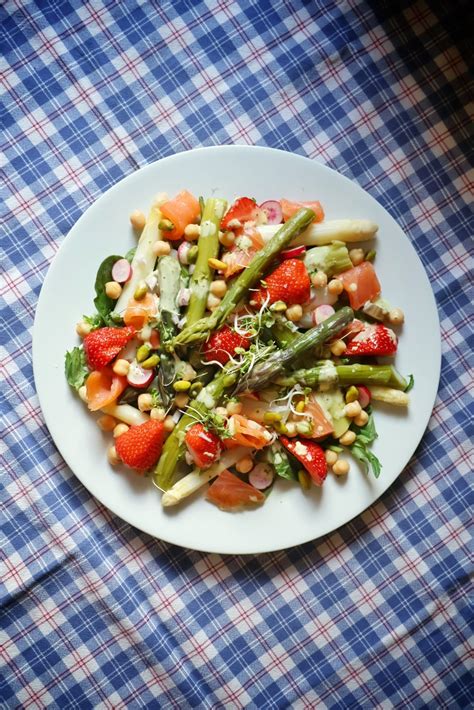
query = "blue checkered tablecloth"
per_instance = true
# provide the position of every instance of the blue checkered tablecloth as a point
(97, 614)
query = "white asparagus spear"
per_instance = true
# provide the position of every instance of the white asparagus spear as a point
(196, 479)
(126, 413)
(144, 259)
(389, 396)
(342, 230)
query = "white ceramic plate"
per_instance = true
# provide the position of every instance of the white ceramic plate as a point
(289, 517)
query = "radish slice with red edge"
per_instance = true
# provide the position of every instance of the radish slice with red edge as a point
(139, 377)
(261, 476)
(272, 209)
(364, 396)
(292, 253)
(323, 312)
(121, 271)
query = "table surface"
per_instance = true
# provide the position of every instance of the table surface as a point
(95, 613)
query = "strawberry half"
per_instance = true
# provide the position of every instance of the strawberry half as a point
(309, 454)
(222, 343)
(102, 345)
(289, 283)
(374, 339)
(140, 446)
(244, 209)
(203, 445)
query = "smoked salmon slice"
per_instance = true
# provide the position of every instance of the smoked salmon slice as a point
(230, 493)
(181, 210)
(103, 387)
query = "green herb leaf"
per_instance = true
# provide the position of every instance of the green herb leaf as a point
(75, 367)
(366, 435)
(411, 383)
(280, 461)
(102, 302)
(130, 254)
(367, 458)
(94, 321)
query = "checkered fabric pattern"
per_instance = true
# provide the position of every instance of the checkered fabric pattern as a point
(96, 614)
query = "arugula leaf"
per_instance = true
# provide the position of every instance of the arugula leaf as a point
(280, 461)
(75, 367)
(94, 321)
(130, 254)
(366, 435)
(102, 302)
(411, 383)
(367, 458)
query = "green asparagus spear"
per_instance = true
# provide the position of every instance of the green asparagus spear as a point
(174, 447)
(355, 374)
(262, 373)
(200, 330)
(208, 248)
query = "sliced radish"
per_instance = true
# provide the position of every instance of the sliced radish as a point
(139, 377)
(261, 476)
(364, 396)
(323, 312)
(292, 253)
(121, 271)
(272, 209)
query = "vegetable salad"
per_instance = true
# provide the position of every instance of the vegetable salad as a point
(238, 344)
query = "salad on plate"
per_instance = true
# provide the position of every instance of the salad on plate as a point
(238, 344)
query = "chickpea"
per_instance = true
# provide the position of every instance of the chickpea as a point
(113, 456)
(83, 328)
(83, 393)
(244, 465)
(121, 367)
(181, 400)
(294, 313)
(353, 409)
(161, 248)
(113, 290)
(234, 408)
(361, 419)
(158, 413)
(169, 423)
(192, 232)
(120, 429)
(335, 287)
(319, 279)
(341, 467)
(396, 316)
(331, 457)
(226, 238)
(106, 422)
(348, 438)
(137, 220)
(145, 402)
(356, 256)
(218, 288)
(338, 347)
(212, 302)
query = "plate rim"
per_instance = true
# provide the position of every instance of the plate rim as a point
(51, 270)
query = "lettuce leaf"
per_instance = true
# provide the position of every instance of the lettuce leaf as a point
(280, 461)
(102, 302)
(364, 436)
(75, 367)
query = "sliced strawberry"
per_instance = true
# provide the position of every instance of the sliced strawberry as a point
(222, 343)
(289, 283)
(309, 454)
(102, 345)
(243, 210)
(203, 445)
(140, 446)
(374, 339)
